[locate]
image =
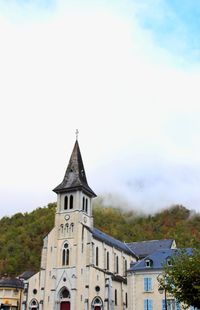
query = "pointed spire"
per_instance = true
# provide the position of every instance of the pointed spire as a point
(75, 177)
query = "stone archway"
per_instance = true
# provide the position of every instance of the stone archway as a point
(34, 305)
(64, 299)
(97, 303)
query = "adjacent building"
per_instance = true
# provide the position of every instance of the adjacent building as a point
(11, 293)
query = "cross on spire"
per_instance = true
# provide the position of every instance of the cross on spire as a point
(76, 132)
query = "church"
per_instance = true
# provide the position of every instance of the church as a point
(81, 267)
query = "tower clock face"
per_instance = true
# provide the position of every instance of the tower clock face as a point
(67, 217)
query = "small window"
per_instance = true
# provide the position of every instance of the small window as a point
(72, 227)
(67, 227)
(115, 297)
(97, 288)
(65, 255)
(108, 262)
(71, 202)
(83, 204)
(169, 261)
(148, 263)
(117, 264)
(66, 203)
(86, 205)
(126, 300)
(147, 284)
(97, 256)
(125, 267)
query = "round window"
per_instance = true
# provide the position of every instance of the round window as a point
(97, 288)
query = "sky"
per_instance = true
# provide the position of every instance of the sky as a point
(126, 74)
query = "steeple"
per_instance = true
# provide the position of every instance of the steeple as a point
(75, 177)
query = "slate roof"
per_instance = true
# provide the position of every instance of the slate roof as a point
(11, 283)
(26, 275)
(144, 248)
(101, 236)
(158, 259)
(75, 177)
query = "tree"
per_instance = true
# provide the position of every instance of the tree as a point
(182, 277)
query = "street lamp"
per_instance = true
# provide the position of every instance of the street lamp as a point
(162, 289)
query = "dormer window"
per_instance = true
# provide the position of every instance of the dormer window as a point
(169, 261)
(148, 263)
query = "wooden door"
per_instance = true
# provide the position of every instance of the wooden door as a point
(97, 308)
(65, 305)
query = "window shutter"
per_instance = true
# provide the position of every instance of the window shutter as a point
(150, 304)
(149, 284)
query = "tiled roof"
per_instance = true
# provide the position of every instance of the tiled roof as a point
(157, 259)
(11, 283)
(75, 177)
(144, 248)
(101, 236)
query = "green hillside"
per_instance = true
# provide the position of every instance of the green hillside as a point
(21, 235)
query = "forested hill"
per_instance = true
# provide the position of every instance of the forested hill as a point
(21, 235)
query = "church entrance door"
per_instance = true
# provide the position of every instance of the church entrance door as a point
(65, 305)
(97, 308)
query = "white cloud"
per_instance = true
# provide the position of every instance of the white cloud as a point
(99, 71)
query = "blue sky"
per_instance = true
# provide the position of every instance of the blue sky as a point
(174, 25)
(126, 74)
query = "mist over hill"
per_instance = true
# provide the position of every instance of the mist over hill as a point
(21, 235)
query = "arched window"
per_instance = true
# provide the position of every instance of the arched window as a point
(126, 300)
(34, 304)
(67, 227)
(65, 255)
(61, 228)
(97, 256)
(125, 267)
(72, 227)
(107, 261)
(64, 293)
(71, 202)
(97, 303)
(117, 264)
(66, 203)
(115, 297)
(86, 205)
(83, 207)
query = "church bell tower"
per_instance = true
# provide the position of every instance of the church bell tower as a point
(74, 196)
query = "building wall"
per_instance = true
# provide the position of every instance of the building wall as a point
(11, 297)
(140, 292)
